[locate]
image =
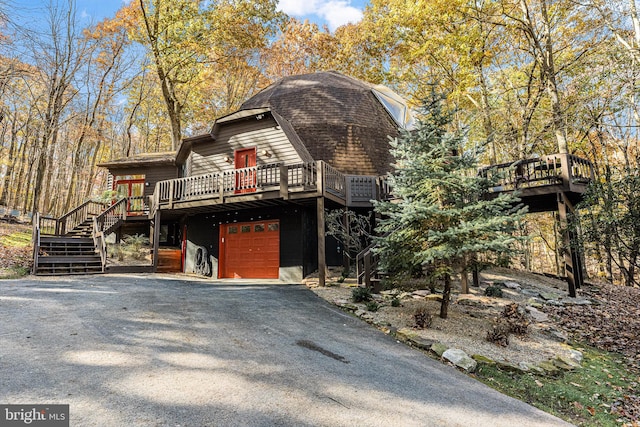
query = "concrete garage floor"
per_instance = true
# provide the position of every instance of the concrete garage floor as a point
(153, 350)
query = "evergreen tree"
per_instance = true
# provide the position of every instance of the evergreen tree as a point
(440, 216)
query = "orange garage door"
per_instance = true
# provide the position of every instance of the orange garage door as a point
(250, 250)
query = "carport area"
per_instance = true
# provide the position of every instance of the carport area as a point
(154, 350)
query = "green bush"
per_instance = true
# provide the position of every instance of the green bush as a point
(493, 291)
(372, 306)
(395, 302)
(361, 294)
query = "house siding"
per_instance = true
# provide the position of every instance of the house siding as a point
(262, 134)
(152, 174)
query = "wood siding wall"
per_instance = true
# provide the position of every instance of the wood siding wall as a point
(263, 134)
(152, 174)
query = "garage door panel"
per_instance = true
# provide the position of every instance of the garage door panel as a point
(251, 250)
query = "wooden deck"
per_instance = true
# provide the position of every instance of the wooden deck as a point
(261, 185)
(539, 181)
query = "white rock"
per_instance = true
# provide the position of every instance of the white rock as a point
(576, 356)
(460, 359)
(512, 285)
(537, 315)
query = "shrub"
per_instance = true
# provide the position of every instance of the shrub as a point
(372, 306)
(493, 291)
(395, 302)
(499, 333)
(422, 318)
(516, 318)
(361, 294)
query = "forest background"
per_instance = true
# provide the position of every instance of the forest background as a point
(524, 77)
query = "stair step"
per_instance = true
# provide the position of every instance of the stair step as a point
(65, 239)
(69, 259)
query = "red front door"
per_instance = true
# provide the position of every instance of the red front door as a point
(245, 177)
(250, 250)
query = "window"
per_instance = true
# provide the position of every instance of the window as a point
(233, 229)
(395, 105)
(258, 228)
(246, 229)
(273, 227)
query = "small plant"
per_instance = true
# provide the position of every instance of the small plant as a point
(372, 306)
(422, 318)
(361, 294)
(499, 333)
(493, 291)
(516, 317)
(341, 279)
(395, 302)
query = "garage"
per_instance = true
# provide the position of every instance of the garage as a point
(250, 250)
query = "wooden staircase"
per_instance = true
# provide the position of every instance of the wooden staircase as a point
(74, 243)
(61, 255)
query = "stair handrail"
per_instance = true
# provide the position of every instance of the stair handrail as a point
(112, 215)
(366, 263)
(79, 214)
(35, 239)
(99, 243)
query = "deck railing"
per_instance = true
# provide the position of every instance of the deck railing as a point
(246, 180)
(554, 169)
(111, 217)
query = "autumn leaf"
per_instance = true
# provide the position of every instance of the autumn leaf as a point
(591, 410)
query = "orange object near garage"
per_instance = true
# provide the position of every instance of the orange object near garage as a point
(250, 250)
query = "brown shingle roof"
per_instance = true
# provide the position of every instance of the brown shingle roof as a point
(337, 118)
(143, 159)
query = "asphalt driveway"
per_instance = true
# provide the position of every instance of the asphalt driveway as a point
(136, 350)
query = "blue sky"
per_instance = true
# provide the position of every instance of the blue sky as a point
(333, 13)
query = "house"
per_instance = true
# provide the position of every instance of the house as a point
(247, 199)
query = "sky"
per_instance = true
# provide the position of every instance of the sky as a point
(333, 13)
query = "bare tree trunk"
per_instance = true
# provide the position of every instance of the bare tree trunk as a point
(446, 295)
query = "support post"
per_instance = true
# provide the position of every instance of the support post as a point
(284, 182)
(156, 239)
(572, 262)
(322, 261)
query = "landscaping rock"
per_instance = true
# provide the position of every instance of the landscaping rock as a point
(548, 296)
(577, 301)
(420, 342)
(475, 301)
(422, 292)
(566, 360)
(557, 335)
(510, 367)
(513, 285)
(576, 356)
(483, 359)
(460, 359)
(561, 364)
(548, 367)
(434, 297)
(439, 348)
(406, 334)
(537, 315)
(343, 303)
(534, 368)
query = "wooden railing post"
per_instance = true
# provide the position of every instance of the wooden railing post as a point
(284, 182)
(320, 169)
(171, 188)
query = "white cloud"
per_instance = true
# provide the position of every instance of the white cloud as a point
(339, 12)
(334, 12)
(299, 7)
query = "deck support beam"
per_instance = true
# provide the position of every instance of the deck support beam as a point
(572, 259)
(155, 236)
(322, 259)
